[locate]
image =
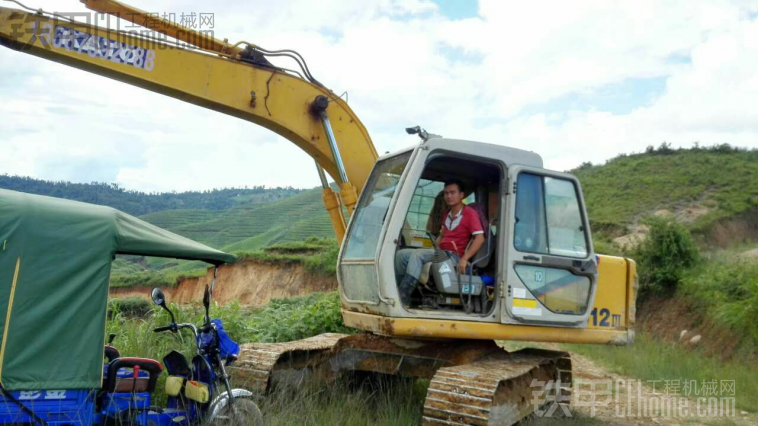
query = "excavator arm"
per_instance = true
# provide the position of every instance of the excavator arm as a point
(219, 76)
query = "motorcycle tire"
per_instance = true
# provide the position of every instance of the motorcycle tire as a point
(247, 414)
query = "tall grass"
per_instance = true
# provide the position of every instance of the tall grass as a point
(651, 359)
(381, 401)
(280, 321)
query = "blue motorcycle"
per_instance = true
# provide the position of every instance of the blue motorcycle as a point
(201, 392)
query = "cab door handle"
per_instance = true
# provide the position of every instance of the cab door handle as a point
(530, 257)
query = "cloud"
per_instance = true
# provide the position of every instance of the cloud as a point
(566, 80)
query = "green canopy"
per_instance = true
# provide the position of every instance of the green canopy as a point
(55, 263)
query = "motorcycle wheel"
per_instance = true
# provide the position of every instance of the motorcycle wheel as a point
(247, 414)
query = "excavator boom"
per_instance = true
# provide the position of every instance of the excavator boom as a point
(269, 97)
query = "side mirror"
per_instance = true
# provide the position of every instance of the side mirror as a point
(160, 300)
(158, 297)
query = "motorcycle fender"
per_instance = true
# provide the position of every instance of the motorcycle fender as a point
(222, 400)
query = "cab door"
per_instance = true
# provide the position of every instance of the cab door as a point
(551, 268)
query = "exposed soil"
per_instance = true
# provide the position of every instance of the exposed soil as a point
(742, 227)
(249, 282)
(667, 319)
(750, 255)
(636, 232)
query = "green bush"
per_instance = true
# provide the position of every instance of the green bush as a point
(283, 320)
(129, 307)
(663, 257)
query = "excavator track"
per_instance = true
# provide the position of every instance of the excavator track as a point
(473, 382)
(500, 389)
(259, 361)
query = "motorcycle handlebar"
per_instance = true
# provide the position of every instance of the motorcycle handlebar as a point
(176, 327)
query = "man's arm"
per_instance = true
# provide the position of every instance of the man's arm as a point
(473, 248)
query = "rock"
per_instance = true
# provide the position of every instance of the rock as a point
(695, 340)
(682, 334)
(630, 240)
(663, 213)
(690, 214)
(749, 255)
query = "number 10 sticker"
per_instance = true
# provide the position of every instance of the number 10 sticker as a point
(539, 276)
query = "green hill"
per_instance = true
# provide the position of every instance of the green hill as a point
(698, 186)
(139, 203)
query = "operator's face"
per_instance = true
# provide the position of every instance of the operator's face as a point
(453, 195)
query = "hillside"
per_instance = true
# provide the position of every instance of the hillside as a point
(704, 188)
(700, 187)
(139, 203)
(250, 226)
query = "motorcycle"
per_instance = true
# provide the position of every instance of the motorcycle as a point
(202, 392)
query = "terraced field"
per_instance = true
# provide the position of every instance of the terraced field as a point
(250, 226)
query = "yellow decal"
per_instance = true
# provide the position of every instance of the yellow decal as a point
(524, 303)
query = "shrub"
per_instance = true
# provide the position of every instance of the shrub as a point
(665, 254)
(284, 320)
(129, 307)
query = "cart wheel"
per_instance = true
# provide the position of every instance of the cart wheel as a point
(245, 412)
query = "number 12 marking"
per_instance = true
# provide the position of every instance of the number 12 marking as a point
(604, 314)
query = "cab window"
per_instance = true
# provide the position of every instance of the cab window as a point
(548, 217)
(372, 209)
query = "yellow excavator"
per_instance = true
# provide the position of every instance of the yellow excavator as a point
(536, 277)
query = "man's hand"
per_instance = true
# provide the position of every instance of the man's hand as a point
(462, 264)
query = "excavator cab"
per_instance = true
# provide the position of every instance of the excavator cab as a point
(537, 266)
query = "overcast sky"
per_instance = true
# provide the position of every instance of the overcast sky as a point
(574, 81)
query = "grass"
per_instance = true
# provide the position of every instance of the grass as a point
(168, 278)
(385, 401)
(650, 359)
(725, 288)
(318, 256)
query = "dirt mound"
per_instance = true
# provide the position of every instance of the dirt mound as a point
(668, 319)
(249, 282)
